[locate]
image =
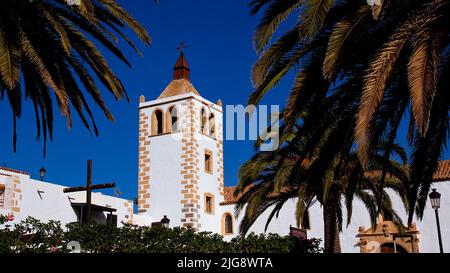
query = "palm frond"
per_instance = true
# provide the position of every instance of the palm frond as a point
(373, 90)
(342, 31)
(313, 17)
(422, 78)
(276, 12)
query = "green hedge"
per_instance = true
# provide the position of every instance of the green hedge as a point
(32, 235)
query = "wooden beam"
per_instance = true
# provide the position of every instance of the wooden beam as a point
(89, 187)
(88, 192)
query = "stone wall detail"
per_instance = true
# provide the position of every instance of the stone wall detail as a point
(219, 159)
(144, 163)
(387, 237)
(190, 202)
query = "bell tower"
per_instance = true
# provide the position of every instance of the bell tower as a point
(181, 155)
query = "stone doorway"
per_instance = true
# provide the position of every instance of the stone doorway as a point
(388, 238)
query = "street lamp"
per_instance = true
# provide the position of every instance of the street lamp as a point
(165, 221)
(42, 171)
(435, 198)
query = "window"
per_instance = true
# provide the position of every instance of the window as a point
(212, 125)
(390, 248)
(157, 122)
(208, 162)
(227, 225)
(172, 120)
(209, 203)
(203, 121)
(2, 196)
(111, 219)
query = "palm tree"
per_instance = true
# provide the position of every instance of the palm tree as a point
(51, 48)
(395, 58)
(269, 179)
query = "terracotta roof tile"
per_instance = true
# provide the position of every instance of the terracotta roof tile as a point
(229, 197)
(443, 171)
(181, 83)
(181, 69)
(13, 171)
(178, 87)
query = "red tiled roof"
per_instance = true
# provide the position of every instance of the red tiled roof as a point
(181, 69)
(181, 83)
(441, 174)
(443, 171)
(228, 196)
(13, 171)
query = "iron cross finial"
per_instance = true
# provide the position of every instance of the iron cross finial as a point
(182, 46)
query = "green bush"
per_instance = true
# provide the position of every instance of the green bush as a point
(32, 235)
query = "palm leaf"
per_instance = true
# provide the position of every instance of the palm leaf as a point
(313, 17)
(422, 79)
(10, 56)
(342, 31)
(373, 91)
(276, 12)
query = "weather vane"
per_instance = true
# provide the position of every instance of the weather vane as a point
(182, 46)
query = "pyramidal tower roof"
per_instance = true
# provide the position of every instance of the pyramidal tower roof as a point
(181, 83)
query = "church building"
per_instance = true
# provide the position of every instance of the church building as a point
(181, 176)
(181, 156)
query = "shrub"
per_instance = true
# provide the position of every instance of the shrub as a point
(32, 235)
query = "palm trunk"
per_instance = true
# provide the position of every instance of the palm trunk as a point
(332, 243)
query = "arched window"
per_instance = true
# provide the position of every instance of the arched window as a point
(227, 225)
(172, 120)
(157, 122)
(203, 121)
(212, 125)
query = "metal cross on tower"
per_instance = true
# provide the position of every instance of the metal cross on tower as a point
(182, 46)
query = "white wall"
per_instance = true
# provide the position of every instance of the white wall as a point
(349, 240)
(209, 183)
(281, 224)
(165, 165)
(165, 178)
(427, 227)
(47, 201)
(165, 162)
(286, 219)
(51, 204)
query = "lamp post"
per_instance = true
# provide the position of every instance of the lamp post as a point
(42, 171)
(165, 221)
(435, 198)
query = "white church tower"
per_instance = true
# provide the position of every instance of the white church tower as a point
(181, 155)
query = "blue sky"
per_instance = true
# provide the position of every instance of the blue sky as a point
(220, 55)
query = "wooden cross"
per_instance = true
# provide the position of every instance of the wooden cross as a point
(89, 187)
(182, 46)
